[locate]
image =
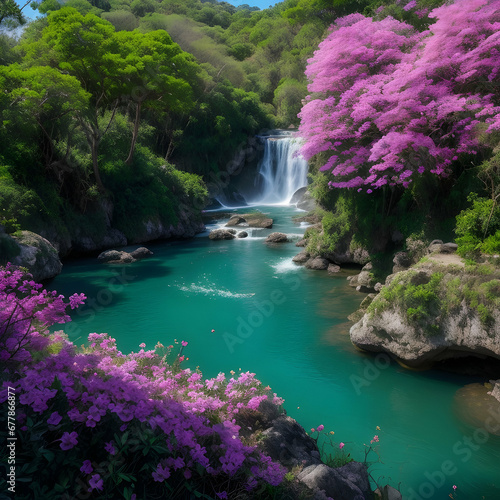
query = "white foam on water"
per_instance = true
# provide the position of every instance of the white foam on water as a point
(285, 266)
(214, 291)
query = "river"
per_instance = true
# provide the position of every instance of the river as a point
(289, 325)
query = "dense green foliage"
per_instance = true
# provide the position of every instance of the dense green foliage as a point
(179, 86)
(426, 299)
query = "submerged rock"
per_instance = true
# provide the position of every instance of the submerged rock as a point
(38, 255)
(476, 406)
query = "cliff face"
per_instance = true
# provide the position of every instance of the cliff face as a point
(438, 309)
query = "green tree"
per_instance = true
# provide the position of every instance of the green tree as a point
(158, 72)
(86, 48)
(47, 96)
(11, 14)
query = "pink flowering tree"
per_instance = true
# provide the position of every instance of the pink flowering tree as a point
(388, 103)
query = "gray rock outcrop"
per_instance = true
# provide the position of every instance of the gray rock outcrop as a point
(439, 322)
(38, 255)
(317, 263)
(286, 441)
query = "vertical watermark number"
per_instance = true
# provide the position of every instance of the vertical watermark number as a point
(11, 439)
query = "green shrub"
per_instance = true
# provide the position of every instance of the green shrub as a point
(478, 227)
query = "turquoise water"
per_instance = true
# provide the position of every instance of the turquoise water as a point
(289, 326)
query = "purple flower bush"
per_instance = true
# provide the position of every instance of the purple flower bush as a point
(389, 103)
(97, 421)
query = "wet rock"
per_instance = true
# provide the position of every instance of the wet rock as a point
(115, 257)
(242, 234)
(236, 220)
(221, 234)
(141, 253)
(301, 258)
(277, 238)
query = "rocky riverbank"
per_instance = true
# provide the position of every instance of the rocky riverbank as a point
(41, 253)
(438, 309)
(285, 441)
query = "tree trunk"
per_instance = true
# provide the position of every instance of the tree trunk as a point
(95, 165)
(130, 157)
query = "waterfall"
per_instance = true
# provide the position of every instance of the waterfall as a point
(280, 172)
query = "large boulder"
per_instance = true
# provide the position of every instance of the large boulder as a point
(277, 238)
(115, 257)
(301, 258)
(221, 234)
(433, 312)
(254, 219)
(141, 253)
(349, 482)
(288, 442)
(38, 255)
(285, 441)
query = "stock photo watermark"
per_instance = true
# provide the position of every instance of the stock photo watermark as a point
(11, 440)
(263, 309)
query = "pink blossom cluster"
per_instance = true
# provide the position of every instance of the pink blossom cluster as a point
(26, 311)
(388, 103)
(196, 417)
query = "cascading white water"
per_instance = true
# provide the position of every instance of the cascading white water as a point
(281, 171)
